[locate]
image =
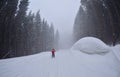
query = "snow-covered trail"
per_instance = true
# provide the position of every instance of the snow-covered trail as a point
(67, 63)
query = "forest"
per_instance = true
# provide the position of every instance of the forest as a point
(23, 33)
(98, 18)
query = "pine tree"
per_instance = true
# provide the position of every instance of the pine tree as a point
(2, 4)
(7, 14)
(22, 34)
(56, 41)
(38, 28)
(51, 36)
(19, 26)
(45, 32)
(114, 14)
(97, 18)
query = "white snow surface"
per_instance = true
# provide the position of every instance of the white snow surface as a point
(91, 45)
(67, 63)
(116, 50)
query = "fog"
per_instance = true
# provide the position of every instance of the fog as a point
(59, 12)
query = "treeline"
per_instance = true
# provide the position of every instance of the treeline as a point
(24, 34)
(98, 18)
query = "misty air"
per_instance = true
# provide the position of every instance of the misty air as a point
(59, 38)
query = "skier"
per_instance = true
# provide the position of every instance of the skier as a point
(53, 53)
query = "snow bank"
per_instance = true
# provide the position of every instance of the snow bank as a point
(116, 51)
(91, 45)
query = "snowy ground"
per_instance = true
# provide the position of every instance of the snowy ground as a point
(84, 59)
(67, 63)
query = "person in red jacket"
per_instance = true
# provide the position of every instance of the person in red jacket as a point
(53, 52)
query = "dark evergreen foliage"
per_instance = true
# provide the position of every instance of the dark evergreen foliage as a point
(22, 34)
(7, 14)
(57, 37)
(98, 18)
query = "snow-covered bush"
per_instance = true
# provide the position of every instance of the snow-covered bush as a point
(91, 45)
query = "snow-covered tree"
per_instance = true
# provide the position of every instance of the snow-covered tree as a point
(7, 13)
(98, 18)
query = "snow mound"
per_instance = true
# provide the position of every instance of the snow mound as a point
(116, 50)
(91, 45)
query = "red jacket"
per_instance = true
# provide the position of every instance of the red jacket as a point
(53, 51)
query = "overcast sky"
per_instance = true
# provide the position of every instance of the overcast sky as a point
(59, 12)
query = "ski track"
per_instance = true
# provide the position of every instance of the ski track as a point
(67, 63)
